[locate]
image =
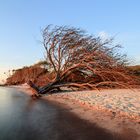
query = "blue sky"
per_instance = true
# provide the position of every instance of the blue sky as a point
(21, 22)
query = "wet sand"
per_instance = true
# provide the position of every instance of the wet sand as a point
(25, 119)
(113, 123)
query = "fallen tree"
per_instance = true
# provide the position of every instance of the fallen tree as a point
(72, 51)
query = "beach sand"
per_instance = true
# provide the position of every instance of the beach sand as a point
(117, 110)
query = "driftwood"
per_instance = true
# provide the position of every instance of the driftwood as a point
(57, 86)
(42, 90)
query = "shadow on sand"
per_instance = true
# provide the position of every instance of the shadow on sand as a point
(68, 126)
(22, 118)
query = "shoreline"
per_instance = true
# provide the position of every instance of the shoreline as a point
(111, 120)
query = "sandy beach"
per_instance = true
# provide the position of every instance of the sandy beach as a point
(117, 110)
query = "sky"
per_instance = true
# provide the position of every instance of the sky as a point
(21, 22)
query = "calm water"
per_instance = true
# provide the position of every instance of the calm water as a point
(22, 118)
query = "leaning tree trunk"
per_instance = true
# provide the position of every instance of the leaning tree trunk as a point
(45, 89)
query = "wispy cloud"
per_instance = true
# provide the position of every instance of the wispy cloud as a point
(137, 60)
(3, 75)
(103, 35)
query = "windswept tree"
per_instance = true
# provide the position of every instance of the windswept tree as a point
(94, 63)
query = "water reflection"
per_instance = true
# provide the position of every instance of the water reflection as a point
(22, 118)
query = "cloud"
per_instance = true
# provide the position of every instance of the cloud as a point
(3, 76)
(137, 60)
(103, 35)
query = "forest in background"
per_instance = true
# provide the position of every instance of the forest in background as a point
(40, 75)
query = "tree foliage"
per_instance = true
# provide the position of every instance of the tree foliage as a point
(35, 73)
